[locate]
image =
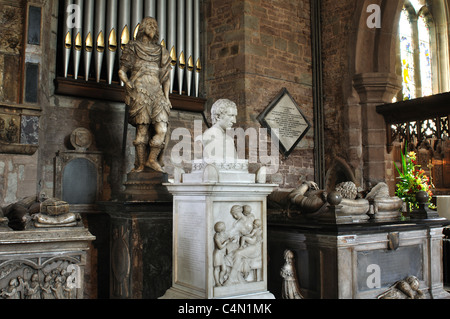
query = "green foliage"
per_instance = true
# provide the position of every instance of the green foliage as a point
(412, 179)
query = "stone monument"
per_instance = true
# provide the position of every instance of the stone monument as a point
(356, 246)
(145, 71)
(43, 248)
(219, 220)
(141, 221)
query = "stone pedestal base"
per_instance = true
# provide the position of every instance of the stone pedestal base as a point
(219, 241)
(147, 186)
(43, 263)
(173, 293)
(141, 249)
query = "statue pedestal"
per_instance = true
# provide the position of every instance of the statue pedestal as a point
(199, 263)
(146, 186)
(140, 249)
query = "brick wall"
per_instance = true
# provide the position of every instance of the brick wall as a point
(255, 49)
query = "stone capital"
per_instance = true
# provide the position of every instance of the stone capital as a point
(377, 88)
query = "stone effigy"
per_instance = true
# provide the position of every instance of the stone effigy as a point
(409, 288)
(310, 201)
(219, 238)
(383, 206)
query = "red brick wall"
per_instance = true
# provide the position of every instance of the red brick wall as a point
(255, 48)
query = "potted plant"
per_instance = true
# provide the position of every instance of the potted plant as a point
(412, 179)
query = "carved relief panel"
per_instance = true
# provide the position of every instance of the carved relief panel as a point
(41, 278)
(238, 238)
(9, 128)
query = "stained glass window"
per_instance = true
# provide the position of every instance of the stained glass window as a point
(407, 56)
(425, 56)
(415, 46)
(417, 4)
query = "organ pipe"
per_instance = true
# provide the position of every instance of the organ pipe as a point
(111, 29)
(88, 31)
(67, 37)
(77, 37)
(100, 9)
(197, 41)
(189, 44)
(124, 26)
(108, 25)
(162, 21)
(180, 44)
(171, 37)
(137, 12)
(150, 8)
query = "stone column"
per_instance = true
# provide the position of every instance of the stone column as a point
(375, 89)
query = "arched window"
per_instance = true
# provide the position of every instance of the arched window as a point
(416, 56)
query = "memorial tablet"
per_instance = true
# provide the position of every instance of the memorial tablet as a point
(285, 121)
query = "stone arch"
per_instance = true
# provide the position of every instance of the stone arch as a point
(375, 80)
(374, 49)
(339, 172)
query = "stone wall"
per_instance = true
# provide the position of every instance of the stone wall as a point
(342, 113)
(18, 173)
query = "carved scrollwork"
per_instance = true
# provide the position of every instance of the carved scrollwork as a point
(238, 166)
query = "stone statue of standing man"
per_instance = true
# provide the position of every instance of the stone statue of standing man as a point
(145, 67)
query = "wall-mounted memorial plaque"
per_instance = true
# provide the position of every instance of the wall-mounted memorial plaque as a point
(285, 120)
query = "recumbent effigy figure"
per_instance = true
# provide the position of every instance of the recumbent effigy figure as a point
(147, 94)
(404, 289)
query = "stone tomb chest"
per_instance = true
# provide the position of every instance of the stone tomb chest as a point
(358, 261)
(47, 263)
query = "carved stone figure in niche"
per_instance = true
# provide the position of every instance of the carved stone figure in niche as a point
(33, 289)
(290, 289)
(218, 147)
(147, 93)
(404, 289)
(10, 133)
(46, 288)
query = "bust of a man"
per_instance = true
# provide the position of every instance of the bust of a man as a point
(218, 146)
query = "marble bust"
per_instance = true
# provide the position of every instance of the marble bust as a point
(219, 162)
(218, 146)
